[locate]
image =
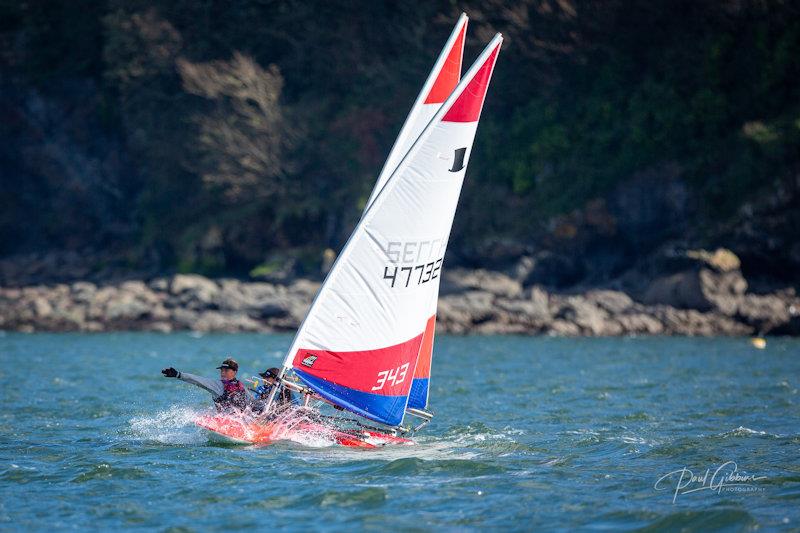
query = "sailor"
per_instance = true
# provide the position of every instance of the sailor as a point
(282, 399)
(228, 392)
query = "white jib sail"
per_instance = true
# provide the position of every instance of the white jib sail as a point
(443, 78)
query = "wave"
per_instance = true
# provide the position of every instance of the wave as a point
(742, 431)
(174, 425)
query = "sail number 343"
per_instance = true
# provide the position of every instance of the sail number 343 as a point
(393, 376)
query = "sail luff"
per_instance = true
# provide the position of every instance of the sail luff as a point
(401, 144)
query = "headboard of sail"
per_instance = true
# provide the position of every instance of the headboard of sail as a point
(359, 344)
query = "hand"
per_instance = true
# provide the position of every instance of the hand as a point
(170, 372)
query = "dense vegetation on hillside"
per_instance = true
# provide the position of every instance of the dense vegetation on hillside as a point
(219, 136)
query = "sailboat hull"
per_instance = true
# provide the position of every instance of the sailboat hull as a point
(235, 431)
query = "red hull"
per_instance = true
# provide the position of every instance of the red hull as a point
(243, 432)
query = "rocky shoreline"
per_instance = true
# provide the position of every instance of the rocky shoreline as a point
(705, 298)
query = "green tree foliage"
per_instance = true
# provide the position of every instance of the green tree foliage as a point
(254, 126)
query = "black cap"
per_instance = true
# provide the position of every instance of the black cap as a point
(270, 373)
(229, 363)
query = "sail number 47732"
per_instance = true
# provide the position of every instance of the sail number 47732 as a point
(393, 376)
(427, 272)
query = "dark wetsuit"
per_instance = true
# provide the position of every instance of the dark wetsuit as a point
(282, 399)
(228, 395)
(233, 397)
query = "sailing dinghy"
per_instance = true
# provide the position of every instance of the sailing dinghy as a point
(365, 344)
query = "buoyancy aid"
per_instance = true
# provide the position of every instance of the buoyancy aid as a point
(234, 395)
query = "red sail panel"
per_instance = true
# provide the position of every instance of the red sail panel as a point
(467, 108)
(418, 397)
(450, 74)
(426, 351)
(384, 371)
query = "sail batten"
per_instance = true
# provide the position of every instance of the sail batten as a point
(368, 334)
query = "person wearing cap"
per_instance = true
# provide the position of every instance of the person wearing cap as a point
(228, 392)
(282, 399)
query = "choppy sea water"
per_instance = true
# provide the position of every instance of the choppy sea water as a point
(529, 434)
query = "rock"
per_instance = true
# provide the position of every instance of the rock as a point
(458, 312)
(499, 328)
(540, 298)
(159, 312)
(191, 283)
(692, 322)
(722, 260)
(260, 291)
(93, 327)
(522, 268)
(588, 316)
(264, 300)
(69, 318)
(721, 289)
(460, 279)
(526, 308)
(135, 287)
(278, 307)
(614, 302)
(298, 309)
(83, 291)
(41, 307)
(184, 318)
(11, 293)
(564, 328)
(160, 327)
(677, 290)
(516, 316)
(193, 291)
(126, 307)
(159, 284)
(232, 323)
(480, 301)
(96, 306)
(640, 323)
(305, 288)
(232, 297)
(287, 323)
(703, 290)
(764, 313)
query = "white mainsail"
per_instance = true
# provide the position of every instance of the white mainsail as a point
(359, 343)
(443, 78)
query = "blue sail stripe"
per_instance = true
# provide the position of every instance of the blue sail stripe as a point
(387, 410)
(418, 398)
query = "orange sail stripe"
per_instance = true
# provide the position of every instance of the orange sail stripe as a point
(450, 74)
(426, 350)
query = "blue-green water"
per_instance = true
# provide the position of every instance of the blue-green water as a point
(530, 433)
